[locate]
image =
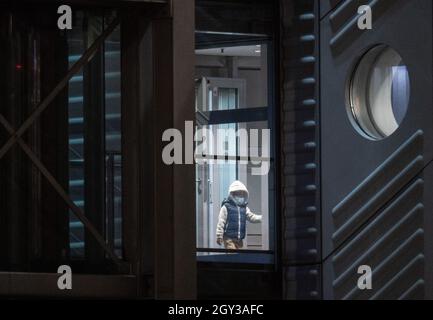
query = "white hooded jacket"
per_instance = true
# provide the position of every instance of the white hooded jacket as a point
(222, 219)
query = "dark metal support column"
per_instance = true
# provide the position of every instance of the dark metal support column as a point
(184, 224)
(137, 147)
(175, 215)
(53, 133)
(14, 171)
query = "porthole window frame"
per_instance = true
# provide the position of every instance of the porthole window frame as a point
(365, 62)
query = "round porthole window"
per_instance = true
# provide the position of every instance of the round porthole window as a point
(378, 93)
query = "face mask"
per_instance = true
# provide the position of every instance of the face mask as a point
(240, 201)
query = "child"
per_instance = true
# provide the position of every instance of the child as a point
(233, 216)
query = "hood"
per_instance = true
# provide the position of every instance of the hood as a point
(238, 186)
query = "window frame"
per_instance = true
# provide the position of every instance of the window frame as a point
(245, 115)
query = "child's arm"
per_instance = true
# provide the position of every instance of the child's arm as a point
(222, 219)
(253, 218)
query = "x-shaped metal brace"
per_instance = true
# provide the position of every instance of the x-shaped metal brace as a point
(16, 138)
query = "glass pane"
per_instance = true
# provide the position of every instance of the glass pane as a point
(213, 183)
(113, 141)
(111, 125)
(242, 139)
(227, 98)
(379, 93)
(236, 77)
(76, 48)
(226, 157)
(232, 83)
(76, 138)
(33, 217)
(112, 88)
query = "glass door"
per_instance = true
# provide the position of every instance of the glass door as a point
(213, 175)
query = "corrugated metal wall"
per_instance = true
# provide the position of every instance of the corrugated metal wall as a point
(375, 193)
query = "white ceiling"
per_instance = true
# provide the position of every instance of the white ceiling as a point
(241, 51)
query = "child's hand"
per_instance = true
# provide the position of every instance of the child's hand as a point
(219, 241)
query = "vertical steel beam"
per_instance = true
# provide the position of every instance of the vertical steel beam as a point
(53, 135)
(174, 185)
(184, 176)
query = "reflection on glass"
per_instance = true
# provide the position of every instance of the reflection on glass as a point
(379, 92)
(400, 92)
(113, 148)
(112, 127)
(76, 139)
(228, 98)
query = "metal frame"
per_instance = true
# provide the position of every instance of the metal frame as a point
(242, 279)
(20, 284)
(174, 186)
(110, 169)
(244, 114)
(94, 148)
(159, 239)
(16, 138)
